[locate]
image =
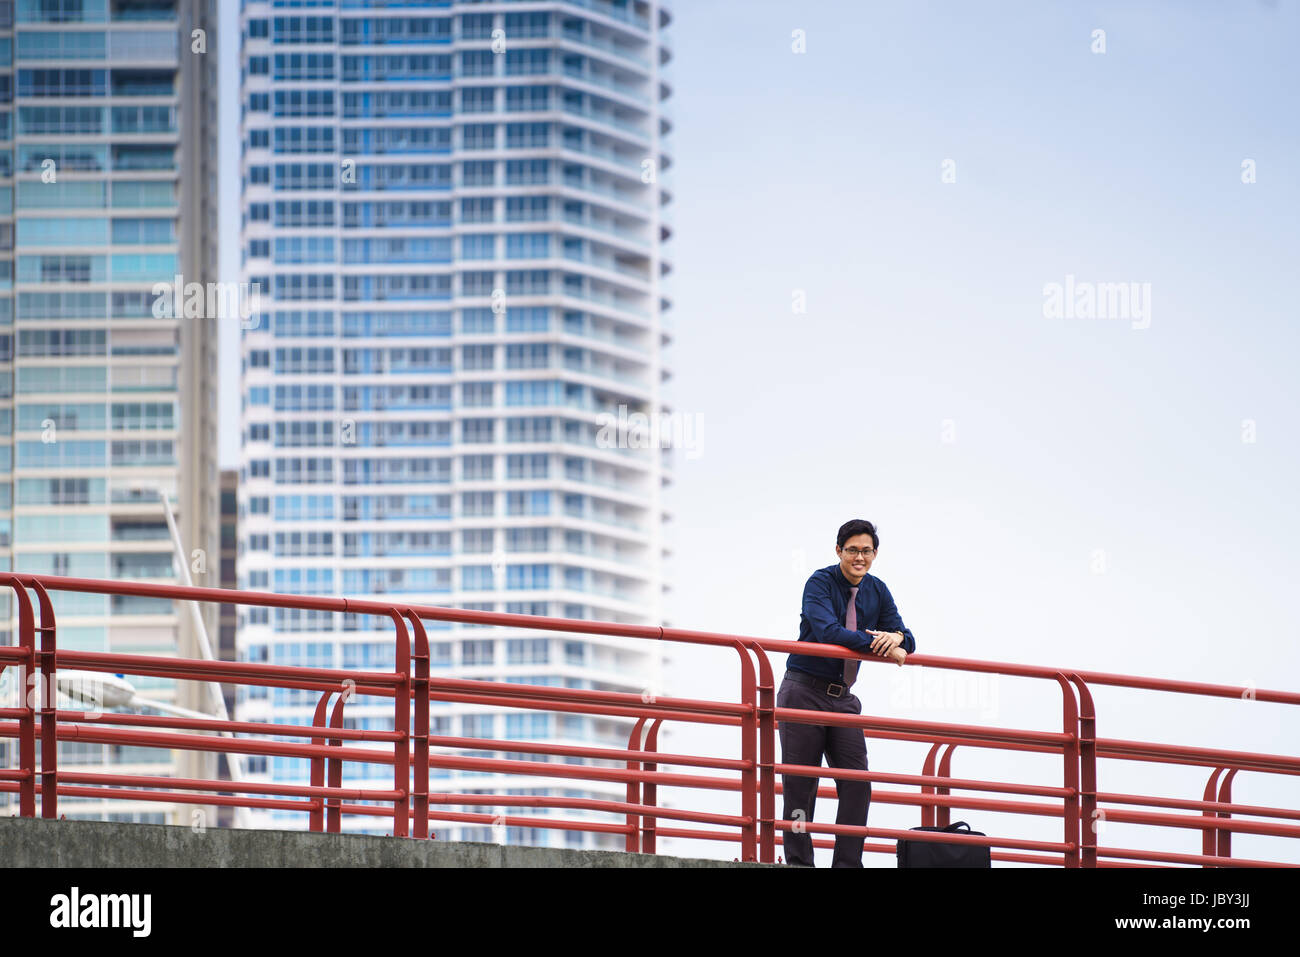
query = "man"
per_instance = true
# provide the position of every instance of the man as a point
(842, 605)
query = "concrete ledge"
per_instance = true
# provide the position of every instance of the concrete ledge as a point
(35, 842)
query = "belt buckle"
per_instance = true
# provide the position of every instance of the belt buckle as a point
(835, 694)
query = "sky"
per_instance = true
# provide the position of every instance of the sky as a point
(865, 236)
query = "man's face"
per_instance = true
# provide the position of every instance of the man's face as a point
(856, 556)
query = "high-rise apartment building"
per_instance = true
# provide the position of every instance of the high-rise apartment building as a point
(454, 212)
(107, 189)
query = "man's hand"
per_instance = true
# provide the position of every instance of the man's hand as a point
(899, 655)
(885, 642)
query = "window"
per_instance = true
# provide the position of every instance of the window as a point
(476, 578)
(531, 466)
(528, 539)
(476, 394)
(536, 502)
(478, 246)
(476, 26)
(478, 504)
(520, 99)
(477, 283)
(478, 321)
(478, 99)
(478, 173)
(477, 63)
(477, 725)
(528, 576)
(477, 468)
(476, 541)
(477, 430)
(527, 208)
(477, 652)
(528, 245)
(478, 357)
(528, 651)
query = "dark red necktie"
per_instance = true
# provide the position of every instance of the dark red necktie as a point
(851, 623)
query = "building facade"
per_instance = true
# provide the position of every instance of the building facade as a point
(107, 189)
(454, 212)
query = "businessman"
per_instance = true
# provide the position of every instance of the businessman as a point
(842, 605)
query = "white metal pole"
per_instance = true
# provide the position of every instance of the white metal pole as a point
(233, 761)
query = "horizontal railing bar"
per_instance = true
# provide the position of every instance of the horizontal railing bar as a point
(590, 804)
(1200, 822)
(958, 732)
(696, 705)
(236, 787)
(1188, 805)
(216, 724)
(1198, 859)
(1201, 757)
(586, 751)
(966, 784)
(546, 769)
(640, 711)
(225, 672)
(438, 613)
(176, 797)
(200, 742)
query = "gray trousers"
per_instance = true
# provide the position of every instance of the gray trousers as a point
(842, 748)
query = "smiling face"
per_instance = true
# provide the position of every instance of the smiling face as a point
(856, 555)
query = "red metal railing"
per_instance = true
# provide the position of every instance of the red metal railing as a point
(410, 748)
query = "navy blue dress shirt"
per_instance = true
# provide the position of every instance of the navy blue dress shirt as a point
(825, 602)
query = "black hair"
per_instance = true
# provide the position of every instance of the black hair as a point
(858, 526)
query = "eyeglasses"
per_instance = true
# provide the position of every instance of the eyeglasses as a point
(859, 552)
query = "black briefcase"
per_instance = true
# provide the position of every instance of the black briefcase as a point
(941, 854)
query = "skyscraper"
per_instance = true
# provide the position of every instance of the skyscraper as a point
(107, 189)
(454, 212)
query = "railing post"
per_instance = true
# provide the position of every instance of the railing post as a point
(48, 658)
(402, 725)
(420, 688)
(27, 721)
(766, 756)
(943, 811)
(1070, 755)
(1209, 835)
(650, 792)
(334, 767)
(632, 793)
(316, 817)
(1224, 848)
(1088, 773)
(928, 769)
(748, 754)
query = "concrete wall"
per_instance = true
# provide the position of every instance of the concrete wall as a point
(34, 842)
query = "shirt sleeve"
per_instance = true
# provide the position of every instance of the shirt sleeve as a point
(826, 627)
(891, 620)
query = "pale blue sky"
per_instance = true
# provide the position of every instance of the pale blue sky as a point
(821, 172)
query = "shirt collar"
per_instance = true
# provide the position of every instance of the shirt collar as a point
(838, 574)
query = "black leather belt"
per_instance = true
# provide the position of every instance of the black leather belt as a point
(834, 689)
